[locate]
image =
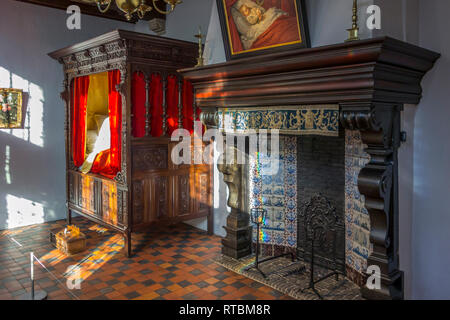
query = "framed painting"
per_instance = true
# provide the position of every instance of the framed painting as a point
(10, 108)
(254, 27)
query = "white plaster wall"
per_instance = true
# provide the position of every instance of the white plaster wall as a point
(406, 193)
(184, 21)
(330, 19)
(400, 19)
(431, 207)
(32, 165)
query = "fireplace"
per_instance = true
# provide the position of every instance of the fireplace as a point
(311, 165)
(351, 157)
(321, 170)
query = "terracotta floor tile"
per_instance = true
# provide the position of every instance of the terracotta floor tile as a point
(209, 296)
(211, 280)
(113, 295)
(166, 265)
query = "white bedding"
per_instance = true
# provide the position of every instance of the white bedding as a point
(102, 142)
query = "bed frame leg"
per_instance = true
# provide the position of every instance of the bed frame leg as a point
(127, 238)
(210, 223)
(69, 216)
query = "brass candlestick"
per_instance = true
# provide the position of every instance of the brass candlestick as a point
(353, 32)
(200, 36)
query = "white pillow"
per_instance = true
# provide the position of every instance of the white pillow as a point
(91, 138)
(99, 119)
(104, 136)
(102, 143)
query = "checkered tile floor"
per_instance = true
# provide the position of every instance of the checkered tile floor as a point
(172, 263)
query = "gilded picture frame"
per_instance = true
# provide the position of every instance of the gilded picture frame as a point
(255, 27)
(11, 108)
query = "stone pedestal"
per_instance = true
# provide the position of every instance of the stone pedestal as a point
(238, 241)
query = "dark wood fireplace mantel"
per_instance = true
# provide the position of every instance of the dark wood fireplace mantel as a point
(370, 80)
(375, 70)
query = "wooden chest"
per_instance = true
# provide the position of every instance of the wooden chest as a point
(70, 242)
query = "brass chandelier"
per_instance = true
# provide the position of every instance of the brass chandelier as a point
(130, 7)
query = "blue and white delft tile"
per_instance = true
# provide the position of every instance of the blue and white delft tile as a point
(278, 194)
(357, 222)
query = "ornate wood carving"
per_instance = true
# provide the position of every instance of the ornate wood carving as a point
(203, 191)
(86, 193)
(161, 185)
(109, 202)
(121, 176)
(145, 159)
(71, 183)
(210, 118)
(126, 218)
(183, 195)
(102, 58)
(80, 191)
(96, 198)
(380, 130)
(138, 201)
(120, 206)
(163, 53)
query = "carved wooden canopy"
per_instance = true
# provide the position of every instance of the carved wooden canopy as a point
(370, 80)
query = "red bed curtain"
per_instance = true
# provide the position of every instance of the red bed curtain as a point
(138, 104)
(156, 96)
(172, 104)
(80, 87)
(156, 108)
(188, 101)
(107, 163)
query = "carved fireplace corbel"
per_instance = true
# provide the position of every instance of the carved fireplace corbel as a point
(377, 182)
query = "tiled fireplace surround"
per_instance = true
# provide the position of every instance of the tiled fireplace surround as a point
(309, 165)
